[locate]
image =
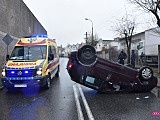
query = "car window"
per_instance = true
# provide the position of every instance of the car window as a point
(53, 49)
(29, 52)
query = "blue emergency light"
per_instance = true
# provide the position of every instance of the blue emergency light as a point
(36, 36)
(12, 72)
(23, 73)
(26, 72)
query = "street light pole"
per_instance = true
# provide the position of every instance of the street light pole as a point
(92, 30)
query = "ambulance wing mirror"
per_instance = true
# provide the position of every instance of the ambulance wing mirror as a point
(7, 57)
(138, 47)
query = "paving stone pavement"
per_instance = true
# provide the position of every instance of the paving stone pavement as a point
(156, 74)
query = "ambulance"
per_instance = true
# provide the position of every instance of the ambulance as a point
(33, 62)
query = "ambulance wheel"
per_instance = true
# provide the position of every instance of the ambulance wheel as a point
(57, 74)
(48, 83)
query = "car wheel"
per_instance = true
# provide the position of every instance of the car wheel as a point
(145, 73)
(48, 83)
(87, 55)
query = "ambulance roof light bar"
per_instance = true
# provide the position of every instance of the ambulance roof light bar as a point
(36, 36)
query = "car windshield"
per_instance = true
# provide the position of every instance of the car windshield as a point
(29, 52)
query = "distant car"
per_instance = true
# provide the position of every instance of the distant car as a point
(86, 68)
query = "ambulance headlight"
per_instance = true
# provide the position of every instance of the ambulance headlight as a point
(3, 73)
(39, 71)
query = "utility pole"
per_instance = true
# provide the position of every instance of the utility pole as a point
(158, 58)
(86, 38)
(92, 42)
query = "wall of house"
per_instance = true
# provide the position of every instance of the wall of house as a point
(17, 21)
(152, 40)
(99, 46)
(136, 39)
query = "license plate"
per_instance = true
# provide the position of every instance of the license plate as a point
(20, 85)
(90, 79)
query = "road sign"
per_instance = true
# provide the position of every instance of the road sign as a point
(7, 39)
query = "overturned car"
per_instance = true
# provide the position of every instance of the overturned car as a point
(86, 68)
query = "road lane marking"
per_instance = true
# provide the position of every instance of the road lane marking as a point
(79, 109)
(88, 110)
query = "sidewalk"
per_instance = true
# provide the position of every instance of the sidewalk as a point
(156, 74)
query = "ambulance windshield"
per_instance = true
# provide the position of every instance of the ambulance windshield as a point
(29, 52)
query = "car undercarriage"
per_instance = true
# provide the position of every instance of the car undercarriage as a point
(85, 68)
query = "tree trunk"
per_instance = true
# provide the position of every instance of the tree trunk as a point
(128, 43)
(157, 17)
(128, 55)
(158, 22)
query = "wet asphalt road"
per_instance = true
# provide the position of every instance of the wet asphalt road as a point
(123, 106)
(58, 103)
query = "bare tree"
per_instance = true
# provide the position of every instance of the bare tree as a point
(125, 28)
(152, 6)
(95, 40)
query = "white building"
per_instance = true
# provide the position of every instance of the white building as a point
(150, 38)
(107, 49)
(70, 48)
(102, 45)
(135, 41)
(147, 42)
(114, 43)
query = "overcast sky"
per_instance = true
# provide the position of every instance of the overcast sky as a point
(65, 21)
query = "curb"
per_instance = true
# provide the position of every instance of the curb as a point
(158, 84)
(158, 77)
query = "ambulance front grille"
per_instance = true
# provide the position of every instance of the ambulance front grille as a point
(21, 73)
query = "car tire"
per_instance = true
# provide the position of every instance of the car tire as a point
(145, 73)
(87, 55)
(48, 82)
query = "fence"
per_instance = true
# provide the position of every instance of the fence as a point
(110, 54)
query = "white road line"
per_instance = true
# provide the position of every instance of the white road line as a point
(89, 113)
(79, 110)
